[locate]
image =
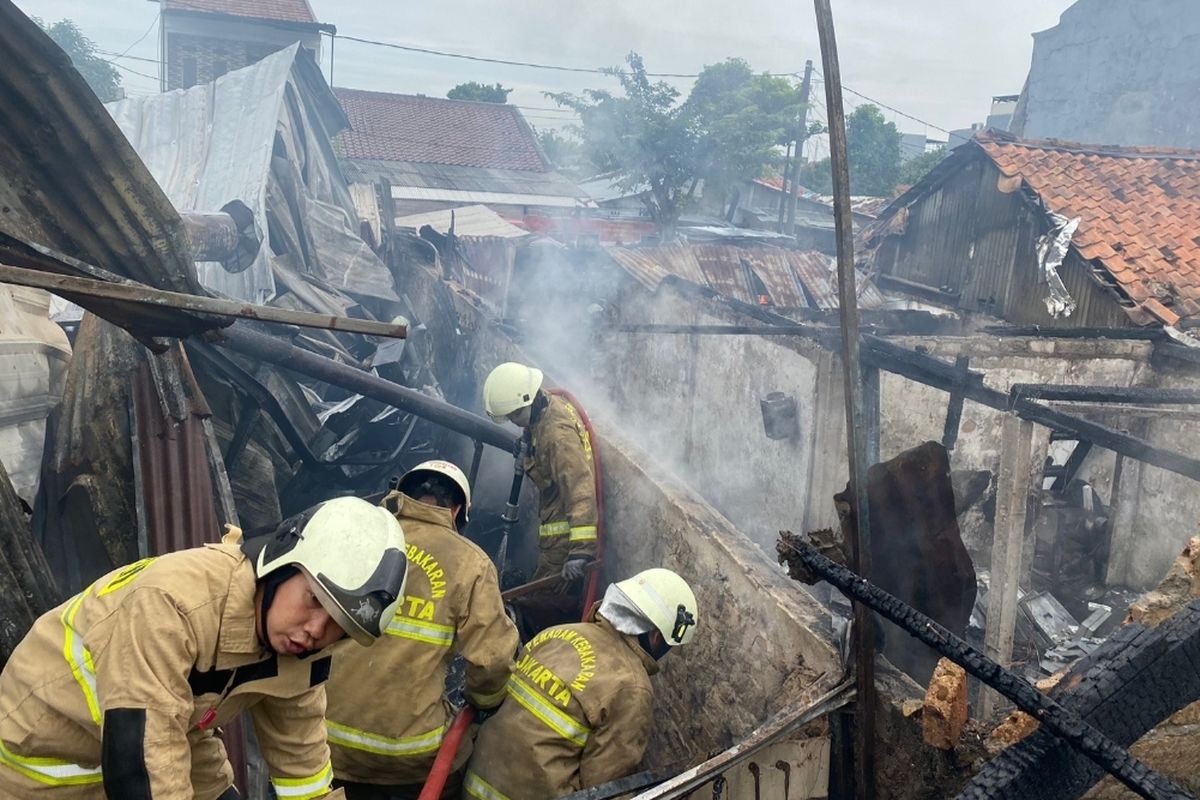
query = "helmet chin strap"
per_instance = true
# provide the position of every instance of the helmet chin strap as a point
(271, 585)
(655, 651)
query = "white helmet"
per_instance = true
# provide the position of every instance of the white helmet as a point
(667, 602)
(354, 555)
(444, 468)
(510, 387)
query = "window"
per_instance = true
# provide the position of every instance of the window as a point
(189, 71)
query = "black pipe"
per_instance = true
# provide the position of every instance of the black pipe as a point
(242, 339)
(1105, 394)
(512, 509)
(1062, 722)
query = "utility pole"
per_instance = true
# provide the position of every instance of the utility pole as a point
(857, 423)
(801, 135)
(783, 189)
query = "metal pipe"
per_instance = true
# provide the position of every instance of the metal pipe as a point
(272, 350)
(512, 507)
(859, 533)
(1059, 720)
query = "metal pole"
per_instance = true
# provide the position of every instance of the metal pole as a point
(858, 533)
(275, 351)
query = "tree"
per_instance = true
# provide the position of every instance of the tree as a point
(565, 152)
(873, 152)
(99, 74)
(479, 92)
(817, 176)
(914, 169)
(727, 130)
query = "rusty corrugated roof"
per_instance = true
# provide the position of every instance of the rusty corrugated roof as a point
(803, 279)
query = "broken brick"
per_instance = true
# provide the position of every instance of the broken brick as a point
(945, 711)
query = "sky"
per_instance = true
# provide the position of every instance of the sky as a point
(937, 61)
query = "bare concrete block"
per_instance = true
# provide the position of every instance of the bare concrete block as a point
(945, 711)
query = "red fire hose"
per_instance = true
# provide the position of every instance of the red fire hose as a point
(444, 761)
(592, 590)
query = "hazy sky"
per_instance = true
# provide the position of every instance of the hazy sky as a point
(937, 60)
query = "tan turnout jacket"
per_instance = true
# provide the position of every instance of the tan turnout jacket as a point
(387, 712)
(173, 636)
(561, 465)
(578, 714)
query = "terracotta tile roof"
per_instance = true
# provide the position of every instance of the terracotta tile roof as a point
(430, 130)
(282, 10)
(1139, 210)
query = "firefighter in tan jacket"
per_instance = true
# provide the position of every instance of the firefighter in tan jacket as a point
(579, 711)
(387, 708)
(559, 461)
(117, 693)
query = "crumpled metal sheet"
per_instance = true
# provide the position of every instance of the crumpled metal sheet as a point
(1052, 249)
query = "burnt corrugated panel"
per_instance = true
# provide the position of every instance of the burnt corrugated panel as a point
(176, 497)
(774, 269)
(815, 270)
(682, 262)
(641, 265)
(722, 268)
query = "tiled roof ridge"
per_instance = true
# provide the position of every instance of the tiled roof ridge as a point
(510, 108)
(1077, 148)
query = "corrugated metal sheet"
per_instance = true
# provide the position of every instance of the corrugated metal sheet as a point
(773, 267)
(174, 483)
(469, 179)
(792, 278)
(468, 221)
(212, 144)
(497, 198)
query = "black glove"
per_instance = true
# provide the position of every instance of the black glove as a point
(574, 568)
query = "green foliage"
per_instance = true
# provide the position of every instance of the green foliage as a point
(728, 129)
(873, 151)
(817, 176)
(564, 151)
(479, 92)
(914, 169)
(99, 74)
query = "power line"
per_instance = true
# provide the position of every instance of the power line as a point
(133, 71)
(121, 56)
(143, 36)
(530, 64)
(889, 108)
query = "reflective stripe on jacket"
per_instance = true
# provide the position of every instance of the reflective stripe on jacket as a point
(387, 713)
(561, 465)
(173, 638)
(579, 714)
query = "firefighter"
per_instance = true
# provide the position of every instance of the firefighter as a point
(387, 708)
(559, 460)
(119, 691)
(579, 707)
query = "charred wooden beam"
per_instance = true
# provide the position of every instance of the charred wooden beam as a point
(1069, 469)
(1146, 395)
(954, 408)
(1069, 726)
(73, 287)
(938, 295)
(1038, 332)
(276, 351)
(932, 372)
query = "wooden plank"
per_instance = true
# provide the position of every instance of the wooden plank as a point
(70, 285)
(962, 366)
(1012, 490)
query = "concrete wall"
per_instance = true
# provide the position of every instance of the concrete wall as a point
(693, 402)
(1116, 72)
